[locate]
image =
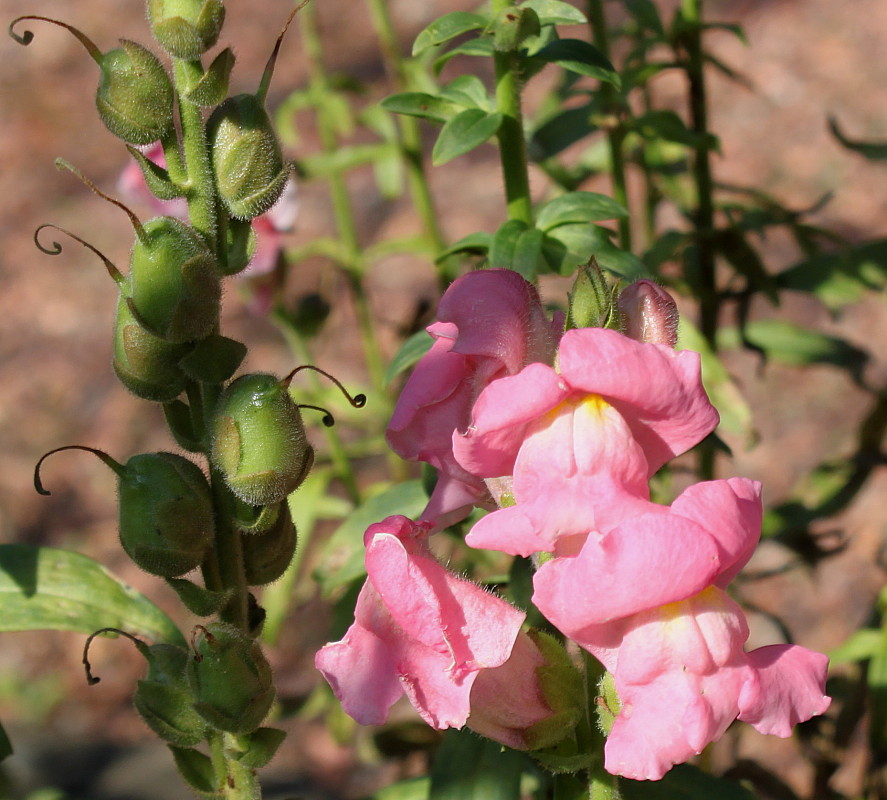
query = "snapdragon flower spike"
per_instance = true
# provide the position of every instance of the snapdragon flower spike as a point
(490, 324)
(419, 630)
(646, 597)
(581, 440)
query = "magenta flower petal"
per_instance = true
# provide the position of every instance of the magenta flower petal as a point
(788, 688)
(657, 390)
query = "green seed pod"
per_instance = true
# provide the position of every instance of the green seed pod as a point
(175, 286)
(186, 28)
(145, 364)
(164, 699)
(246, 157)
(230, 678)
(258, 440)
(166, 511)
(135, 95)
(267, 555)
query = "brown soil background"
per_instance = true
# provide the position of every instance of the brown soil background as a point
(806, 59)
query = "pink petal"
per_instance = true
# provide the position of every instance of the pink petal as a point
(731, 511)
(789, 688)
(499, 418)
(658, 391)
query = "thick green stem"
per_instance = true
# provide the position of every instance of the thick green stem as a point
(613, 113)
(512, 144)
(235, 781)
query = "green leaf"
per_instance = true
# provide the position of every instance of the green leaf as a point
(555, 12)
(214, 359)
(42, 588)
(180, 424)
(876, 676)
(504, 240)
(788, 343)
(685, 782)
(568, 246)
(860, 646)
(669, 126)
(874, 151)
(447, 27)
(198, 600)
(463, 133)
(577, 55)
(736, 416)
(578, 207)
(260, 747)
(467, 767)
(477, 243)
(527, 259)
(467, 91)
(420, 104)
(409, 354)
(212, 88)
(343, 557)
(5, 744)
(410, 789)
(482, 47)
(156, 178)
(196, 769)
(560, 131)
(647, 15)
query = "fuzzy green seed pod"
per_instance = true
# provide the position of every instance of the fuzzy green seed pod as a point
(166, 512)
(146, 365)
(174, 282)
(258, 440)
(164, 700)
(186, 28)
(246, 157)
(267, 555)
(230, 678)
(135, 95)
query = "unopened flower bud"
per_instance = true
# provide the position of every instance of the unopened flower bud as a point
(530, 702)
(186, 28)
(258, 440)
(230, 678)
(146, 365)
(649, 313)
(166, 512)
(174, 282)
(592, 303)
(267, 555)
(246, 156)
(164, 699)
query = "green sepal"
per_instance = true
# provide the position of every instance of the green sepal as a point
(195, 768)
(156, 177)
(180, 424)
(255, 519)
(198, 600)
(609, 705)
(212, 88)
(240, 245)
(259, 747)
(214, 359)
(152, 698)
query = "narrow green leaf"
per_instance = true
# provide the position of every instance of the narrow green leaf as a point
(874, 151)
(409, 354)
(467, 91)
(42, 588)
(504, 240)
(560, 131)
(578, 207)
(482, 47)
(647, 15)
(196, 769)
(685, 782)
(860, 646)
(260, 747)
(343, 557)
(463, 133)
(577, 55)
(447, 27)
(156, 177)
(410, 789)
(527, 259)
(555, 12)
(574, 243)
(669, 126)
(420, 104)
(214, 359)
(477, 243)
(467, 767)
(5, 744)
(212, 88)
(198, 600)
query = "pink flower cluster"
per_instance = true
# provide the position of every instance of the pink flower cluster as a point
(560, 435)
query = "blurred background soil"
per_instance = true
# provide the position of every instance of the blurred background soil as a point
(805, 60)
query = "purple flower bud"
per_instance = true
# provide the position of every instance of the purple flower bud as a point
(649, 313)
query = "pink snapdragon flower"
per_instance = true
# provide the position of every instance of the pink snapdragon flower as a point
(581, 440)
(647, 598)
(419, 630)
(490, 324)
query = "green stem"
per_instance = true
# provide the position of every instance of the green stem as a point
(601, 784)
(234, 780)
(512, 144)
(613, 109)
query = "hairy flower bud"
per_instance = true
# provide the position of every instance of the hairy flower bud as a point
(258, 440)
(246, 157)
(230, 678)
(164, 699)
(146, 365)
(175, 285)
(649, 313)
(135, 96)
(186, 28)
(592, 300)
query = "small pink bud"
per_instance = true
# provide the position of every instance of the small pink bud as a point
(649, 313)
